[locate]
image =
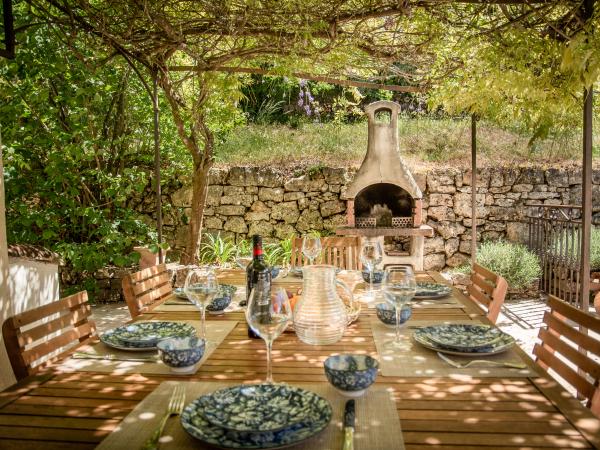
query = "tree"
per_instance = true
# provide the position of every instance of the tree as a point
(342, 37)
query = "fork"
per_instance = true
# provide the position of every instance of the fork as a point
(458, 365)
(175, 408)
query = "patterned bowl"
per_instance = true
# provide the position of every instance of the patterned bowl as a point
(351, 375)
(377, 276)
(181, 354)
(226, 293)
(387, 313)
(275, 272)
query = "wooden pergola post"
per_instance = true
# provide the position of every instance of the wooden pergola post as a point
(6, 375)
(473, 189)
(586, 182)
(157, 165)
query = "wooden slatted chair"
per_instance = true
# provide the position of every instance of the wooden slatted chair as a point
(41, 335)
(488, 290)
(570, 347)
(146, 287)
(342, 252)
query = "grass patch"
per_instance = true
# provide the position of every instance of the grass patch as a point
(421, 139)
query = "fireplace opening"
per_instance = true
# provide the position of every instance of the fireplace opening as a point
(383, 204)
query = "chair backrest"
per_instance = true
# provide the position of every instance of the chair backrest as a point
(40, 335)
(146, 287)
(488, 289)
(342, 252)
(570, 347)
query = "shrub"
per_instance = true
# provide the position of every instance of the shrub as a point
(515, 262)
(217, 250)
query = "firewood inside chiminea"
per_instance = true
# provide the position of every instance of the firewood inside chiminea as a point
(383, 201)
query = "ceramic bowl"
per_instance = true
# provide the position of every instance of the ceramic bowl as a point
(181, 354)
(275, 272)
(351, 375)
(387, 313)
(377, 276)
(223, 300)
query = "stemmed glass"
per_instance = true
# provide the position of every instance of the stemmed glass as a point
(311, 247)
(399, 287)
(268, 314)
(201, 287)
(371, 254)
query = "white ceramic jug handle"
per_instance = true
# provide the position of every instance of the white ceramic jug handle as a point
(348, 291)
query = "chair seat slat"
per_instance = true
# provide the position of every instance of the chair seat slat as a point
(70, 337)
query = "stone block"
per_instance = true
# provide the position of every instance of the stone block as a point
(334, 175)
(286, 211)
(448, 230)
(440, 213)
(245, 200)
(494, 226)
(435, 261)
(496, 179)
(233, 190)
(309, 220)
(259, 206)
(451, 246)
(517, 232)
(332, 207)
(242, 176)
(491, 235)
(462, 205)
(212, 222)
(262, 228)
(434, 245)
(441, 200)
(182, 197)
(291, 196)
(575, 177)
(213, 195)
(284, 230)
(231, 210)
(268, 177)
(236, 224)
(252, 190)
(557, 177)
(456, 260)
(303, 203)
(542, 195)
(499, 190)
(270, 194)
(305, 183)
(531, 175)
(217, 176)
(253, 216)
(522, 188)
(334, 222)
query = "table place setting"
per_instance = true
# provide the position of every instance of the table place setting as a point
(227, 300)
(151, 347)
(442, 349)
(304, 416)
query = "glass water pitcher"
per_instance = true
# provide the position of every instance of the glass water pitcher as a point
(320, 316)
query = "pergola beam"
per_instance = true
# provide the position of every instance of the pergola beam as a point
(303, 75)
(473, 189)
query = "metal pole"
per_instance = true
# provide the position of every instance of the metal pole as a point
(586, 230)
(473, 189)
(157, 166)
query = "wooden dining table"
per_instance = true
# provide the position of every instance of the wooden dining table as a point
(54, 409)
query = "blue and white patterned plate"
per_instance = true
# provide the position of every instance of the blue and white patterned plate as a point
(431, 290)
(259, 407)
(505, 342)
(196, 425)
(462, 336)
(148, 334)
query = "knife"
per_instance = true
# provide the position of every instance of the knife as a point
(349, 426)
(83, 355)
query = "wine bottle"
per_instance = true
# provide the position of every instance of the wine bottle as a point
(257, 267)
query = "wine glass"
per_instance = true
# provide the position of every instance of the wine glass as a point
(268, 314)
(399, 287)
(371, 254)
(311, 247)
(201, 287)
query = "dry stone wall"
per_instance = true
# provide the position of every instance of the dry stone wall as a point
(245, 200)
